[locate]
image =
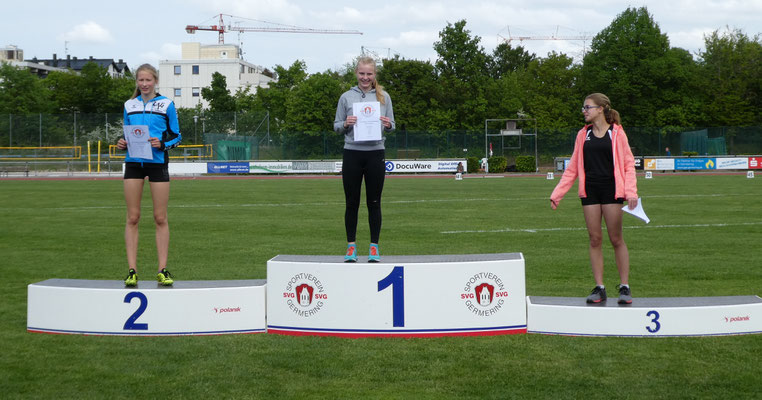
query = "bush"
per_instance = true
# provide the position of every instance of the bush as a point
(525, 164)
(497, 163)
(690, 153)
(472, 165)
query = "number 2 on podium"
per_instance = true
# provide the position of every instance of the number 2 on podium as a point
(396, 279)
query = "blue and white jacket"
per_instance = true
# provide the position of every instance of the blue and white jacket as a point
(160, 115)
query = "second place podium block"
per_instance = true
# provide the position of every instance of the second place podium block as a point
(408, 296)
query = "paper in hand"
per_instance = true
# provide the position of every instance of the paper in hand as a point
(638, 211)
(368, 126)
(138, 144)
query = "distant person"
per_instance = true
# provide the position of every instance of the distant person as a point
(146, 107)
(666, 150)
(460, 169)
(363, 158)
(603, 161)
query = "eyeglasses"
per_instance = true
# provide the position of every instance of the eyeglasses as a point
(588, 108)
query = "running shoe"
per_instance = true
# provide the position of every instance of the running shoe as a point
(624, 294)
(351, 255)
(165, 278)
(597, 295)
(373, 254)
(132, 278)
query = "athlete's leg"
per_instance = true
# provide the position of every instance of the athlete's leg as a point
(351, 178)
(612, 214)
(595, 232)
(133, 193)
(160, 196)
(374, 186)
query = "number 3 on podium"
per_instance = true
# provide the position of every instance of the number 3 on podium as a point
(396, 279)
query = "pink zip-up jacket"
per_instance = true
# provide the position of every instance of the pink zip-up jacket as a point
(624, 167)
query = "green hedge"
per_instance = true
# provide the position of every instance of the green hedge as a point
(525, 164)
(472, 164)
(497, 164)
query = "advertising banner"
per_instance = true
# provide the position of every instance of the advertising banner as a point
(733, 163)
(657, 164)
(227, 168)
(695, 163)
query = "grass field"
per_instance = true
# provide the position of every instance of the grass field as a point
(703, 240)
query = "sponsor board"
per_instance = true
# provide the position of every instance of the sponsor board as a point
(755, 162)
(410, 296)
(402, 166)
(270, 167)
(227, 168)
(638, 162)
(659, 164)
(695, 163)
(733, 163)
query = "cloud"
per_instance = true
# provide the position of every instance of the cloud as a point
(168, 51)
(276, 11)
(88, 32)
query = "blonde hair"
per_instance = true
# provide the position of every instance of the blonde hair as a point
(148, 68)
(365, 60)
(612, 115)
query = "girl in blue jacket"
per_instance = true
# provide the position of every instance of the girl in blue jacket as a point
(158, 113)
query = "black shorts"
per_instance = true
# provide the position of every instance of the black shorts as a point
(155, 172)
(600, 193)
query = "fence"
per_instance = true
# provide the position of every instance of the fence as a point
(235, 136)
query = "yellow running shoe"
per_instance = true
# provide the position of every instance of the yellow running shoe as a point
(165, 278)
(132, 278)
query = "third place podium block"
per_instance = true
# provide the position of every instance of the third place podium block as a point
(404, 296)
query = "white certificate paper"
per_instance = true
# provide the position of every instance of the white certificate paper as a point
(637, 211)
(137, 141)
(368, 126)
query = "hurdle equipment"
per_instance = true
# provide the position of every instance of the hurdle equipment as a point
(94, 307)
(401, 296)
(648, 317)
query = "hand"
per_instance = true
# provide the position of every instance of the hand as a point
(155, 142)
(386, 122)
(350, 121)
(632, 203)
(121, 144)
(553, 204)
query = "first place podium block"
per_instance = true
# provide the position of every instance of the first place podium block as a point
(402, 296)
(93, 307)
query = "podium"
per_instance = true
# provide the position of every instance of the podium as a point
(657, 316)
(93, 307)
(402, 296)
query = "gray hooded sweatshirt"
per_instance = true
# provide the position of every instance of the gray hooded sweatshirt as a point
(344, 108)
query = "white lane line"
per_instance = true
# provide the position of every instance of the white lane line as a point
(535, 230)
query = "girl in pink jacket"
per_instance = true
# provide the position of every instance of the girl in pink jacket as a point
(604, 163)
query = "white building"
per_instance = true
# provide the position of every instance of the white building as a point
(182, 80)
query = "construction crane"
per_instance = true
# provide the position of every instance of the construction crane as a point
(221, 28)
(555, 36)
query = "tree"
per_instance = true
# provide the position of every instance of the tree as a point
(412, 84)
(732, 70)
(506, 59)
(463, 75)
(274, 98)
(629, 62)
(22, 92)
(217, 95)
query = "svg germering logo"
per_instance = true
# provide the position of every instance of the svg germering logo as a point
(484, 294)
(305, 295)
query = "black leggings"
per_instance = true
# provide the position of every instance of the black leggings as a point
(356, 165)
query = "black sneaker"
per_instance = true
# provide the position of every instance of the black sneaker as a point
(597, 295)
(624, 295)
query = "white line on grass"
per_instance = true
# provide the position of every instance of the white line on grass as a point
(326, 203)
(535, 230)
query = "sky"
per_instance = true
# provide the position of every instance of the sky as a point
(146, 32)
